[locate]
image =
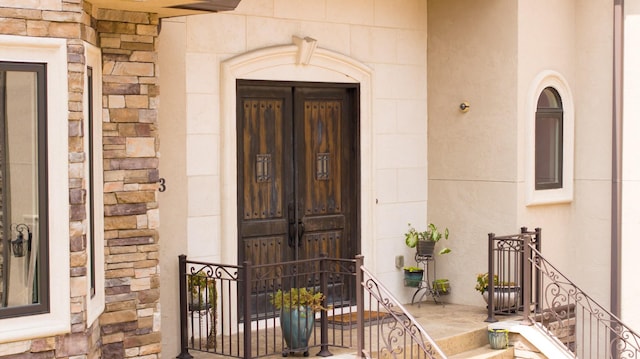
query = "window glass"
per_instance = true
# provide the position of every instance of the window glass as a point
(548, 140)
(23, 287)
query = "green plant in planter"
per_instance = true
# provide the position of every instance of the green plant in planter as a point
(204, 296)
(413, 269)
(413, 276)
(412, 236)
(505, 296)
(482, 282)
(441, 286)
(298, 297)
(203, 291)
(297, 318)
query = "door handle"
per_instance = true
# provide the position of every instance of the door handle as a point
(300, 233)
(292, 234)
(292, 226)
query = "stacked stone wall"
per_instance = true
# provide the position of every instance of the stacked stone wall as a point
(130, 324)
(129, 327)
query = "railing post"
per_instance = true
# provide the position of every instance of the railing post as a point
(245, 287)
(324, 318)
(523, 262)
(538, 282)
(491, 318)
(184, 331)
(527, 286)
(360, 305)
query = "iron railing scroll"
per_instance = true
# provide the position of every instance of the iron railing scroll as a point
(206, 312)
(392, 331)
(574, 319)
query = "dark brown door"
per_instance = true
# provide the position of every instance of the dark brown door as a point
(298, 171)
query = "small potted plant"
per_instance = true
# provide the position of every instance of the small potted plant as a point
(425, 241)
(413, 276)
(203, 299)
(297, 316)
(441, 286)
(505, 296)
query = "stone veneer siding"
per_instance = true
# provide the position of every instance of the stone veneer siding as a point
(130, 324)
(129, 327)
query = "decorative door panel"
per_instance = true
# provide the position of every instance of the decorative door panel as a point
(322, 114)
(297, 173)
(264, 177)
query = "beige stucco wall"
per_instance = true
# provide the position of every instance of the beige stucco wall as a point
(377, 39)
(173, 130)
(575, 40)
(631, 167)
(485, 53)
(472, 56)
(490, 54)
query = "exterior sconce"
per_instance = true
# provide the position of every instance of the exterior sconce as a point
(18, 245)
(464, 107)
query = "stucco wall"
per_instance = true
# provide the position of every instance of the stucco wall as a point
(631, 168)
(489, 54)
(575, 41)
(386, 39)
(172, 131)
(472, 56)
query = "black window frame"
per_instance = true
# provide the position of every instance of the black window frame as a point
(42, 271)
(90, 185)
(545, 113)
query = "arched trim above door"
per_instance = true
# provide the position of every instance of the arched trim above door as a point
(280, 63)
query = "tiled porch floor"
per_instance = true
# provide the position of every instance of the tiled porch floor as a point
(439, 320)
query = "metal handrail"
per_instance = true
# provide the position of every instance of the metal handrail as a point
(572, 317)
(392, 335)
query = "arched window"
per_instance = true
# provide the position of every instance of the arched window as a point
(548, 140)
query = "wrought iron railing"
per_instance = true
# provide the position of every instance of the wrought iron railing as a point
(564, 311)
(505, 273)
(227, 310)
(394, 333)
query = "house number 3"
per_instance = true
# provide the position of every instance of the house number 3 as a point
(163, 186)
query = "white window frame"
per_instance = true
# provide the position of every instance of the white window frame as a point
(544, 79)
(53, 52)
(96, 303)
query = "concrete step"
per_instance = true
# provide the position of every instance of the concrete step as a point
(473, 344)
(486, 352)
(464, 342)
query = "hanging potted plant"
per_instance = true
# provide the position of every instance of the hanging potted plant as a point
(297, 316)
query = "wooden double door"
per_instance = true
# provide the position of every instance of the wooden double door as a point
(298, 171)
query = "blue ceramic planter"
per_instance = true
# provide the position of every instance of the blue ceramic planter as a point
(297, 326)
(412, 279)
